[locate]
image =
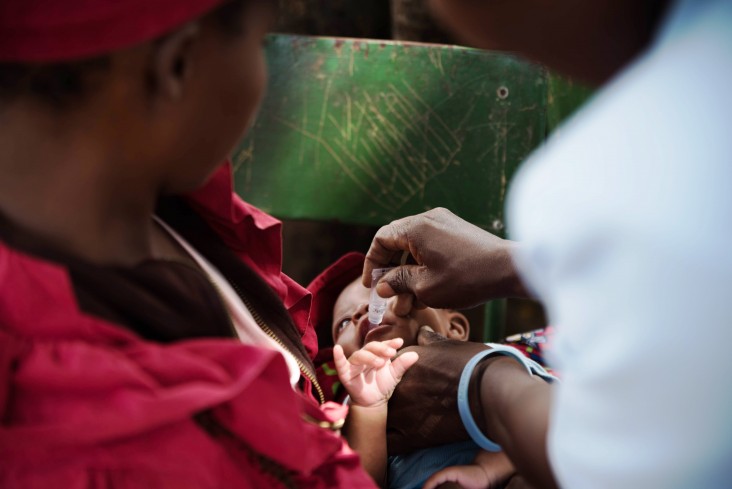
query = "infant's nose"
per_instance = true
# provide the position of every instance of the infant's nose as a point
(402, 305)
(361, 311)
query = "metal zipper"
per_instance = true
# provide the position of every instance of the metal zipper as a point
(303, 369)
(267, 330)
(257, 318)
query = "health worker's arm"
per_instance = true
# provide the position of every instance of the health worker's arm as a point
(509, 406)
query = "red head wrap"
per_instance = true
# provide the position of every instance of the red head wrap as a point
(326, 288)
(63, 30)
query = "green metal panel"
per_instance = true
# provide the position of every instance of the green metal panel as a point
(365, 132)
(564, 97)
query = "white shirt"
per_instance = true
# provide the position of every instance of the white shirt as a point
(626, 224)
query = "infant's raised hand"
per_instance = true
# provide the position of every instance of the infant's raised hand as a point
(372, 373)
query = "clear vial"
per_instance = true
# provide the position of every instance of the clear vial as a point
(377, 304)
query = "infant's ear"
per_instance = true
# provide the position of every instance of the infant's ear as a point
(458, 326)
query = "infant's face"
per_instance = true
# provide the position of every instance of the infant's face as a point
(350, 326)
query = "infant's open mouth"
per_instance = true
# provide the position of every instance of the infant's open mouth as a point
(375, 330)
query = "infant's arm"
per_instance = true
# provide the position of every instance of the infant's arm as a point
(488, 471)
(370, 376)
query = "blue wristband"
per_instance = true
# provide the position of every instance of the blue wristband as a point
(464, 407)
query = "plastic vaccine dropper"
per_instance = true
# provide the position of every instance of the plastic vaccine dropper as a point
(377, 304)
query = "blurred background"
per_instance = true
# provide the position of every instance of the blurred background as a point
(311, 245)
(406, 20)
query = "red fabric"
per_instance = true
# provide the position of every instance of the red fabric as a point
(256, 238)
(49, 31)
(86, 404)
(325, 289)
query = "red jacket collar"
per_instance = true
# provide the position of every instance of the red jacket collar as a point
(33, 284)
(71, 383)
(250, 232)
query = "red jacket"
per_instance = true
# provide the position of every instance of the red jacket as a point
(87, 404)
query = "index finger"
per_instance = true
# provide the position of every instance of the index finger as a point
(387, 247)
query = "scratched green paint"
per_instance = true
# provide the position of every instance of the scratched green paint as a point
(365, 132)
(368, 131)
(564, 97)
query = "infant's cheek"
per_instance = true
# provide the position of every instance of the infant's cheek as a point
(349, 342)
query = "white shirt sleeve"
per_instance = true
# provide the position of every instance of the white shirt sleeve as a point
(626, 226)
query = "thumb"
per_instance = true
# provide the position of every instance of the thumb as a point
(427, 336)
(402, 363)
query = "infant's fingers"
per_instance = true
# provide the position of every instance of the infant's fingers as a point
(402, 363)
(366, 358)
(439, 478)
(339, 358)
(395, 343)
(382, 349)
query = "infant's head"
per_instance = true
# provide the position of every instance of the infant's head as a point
(342, 302)
(350, 327)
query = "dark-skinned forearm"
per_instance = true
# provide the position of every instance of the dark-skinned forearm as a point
(513, 411)
(512, 284)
